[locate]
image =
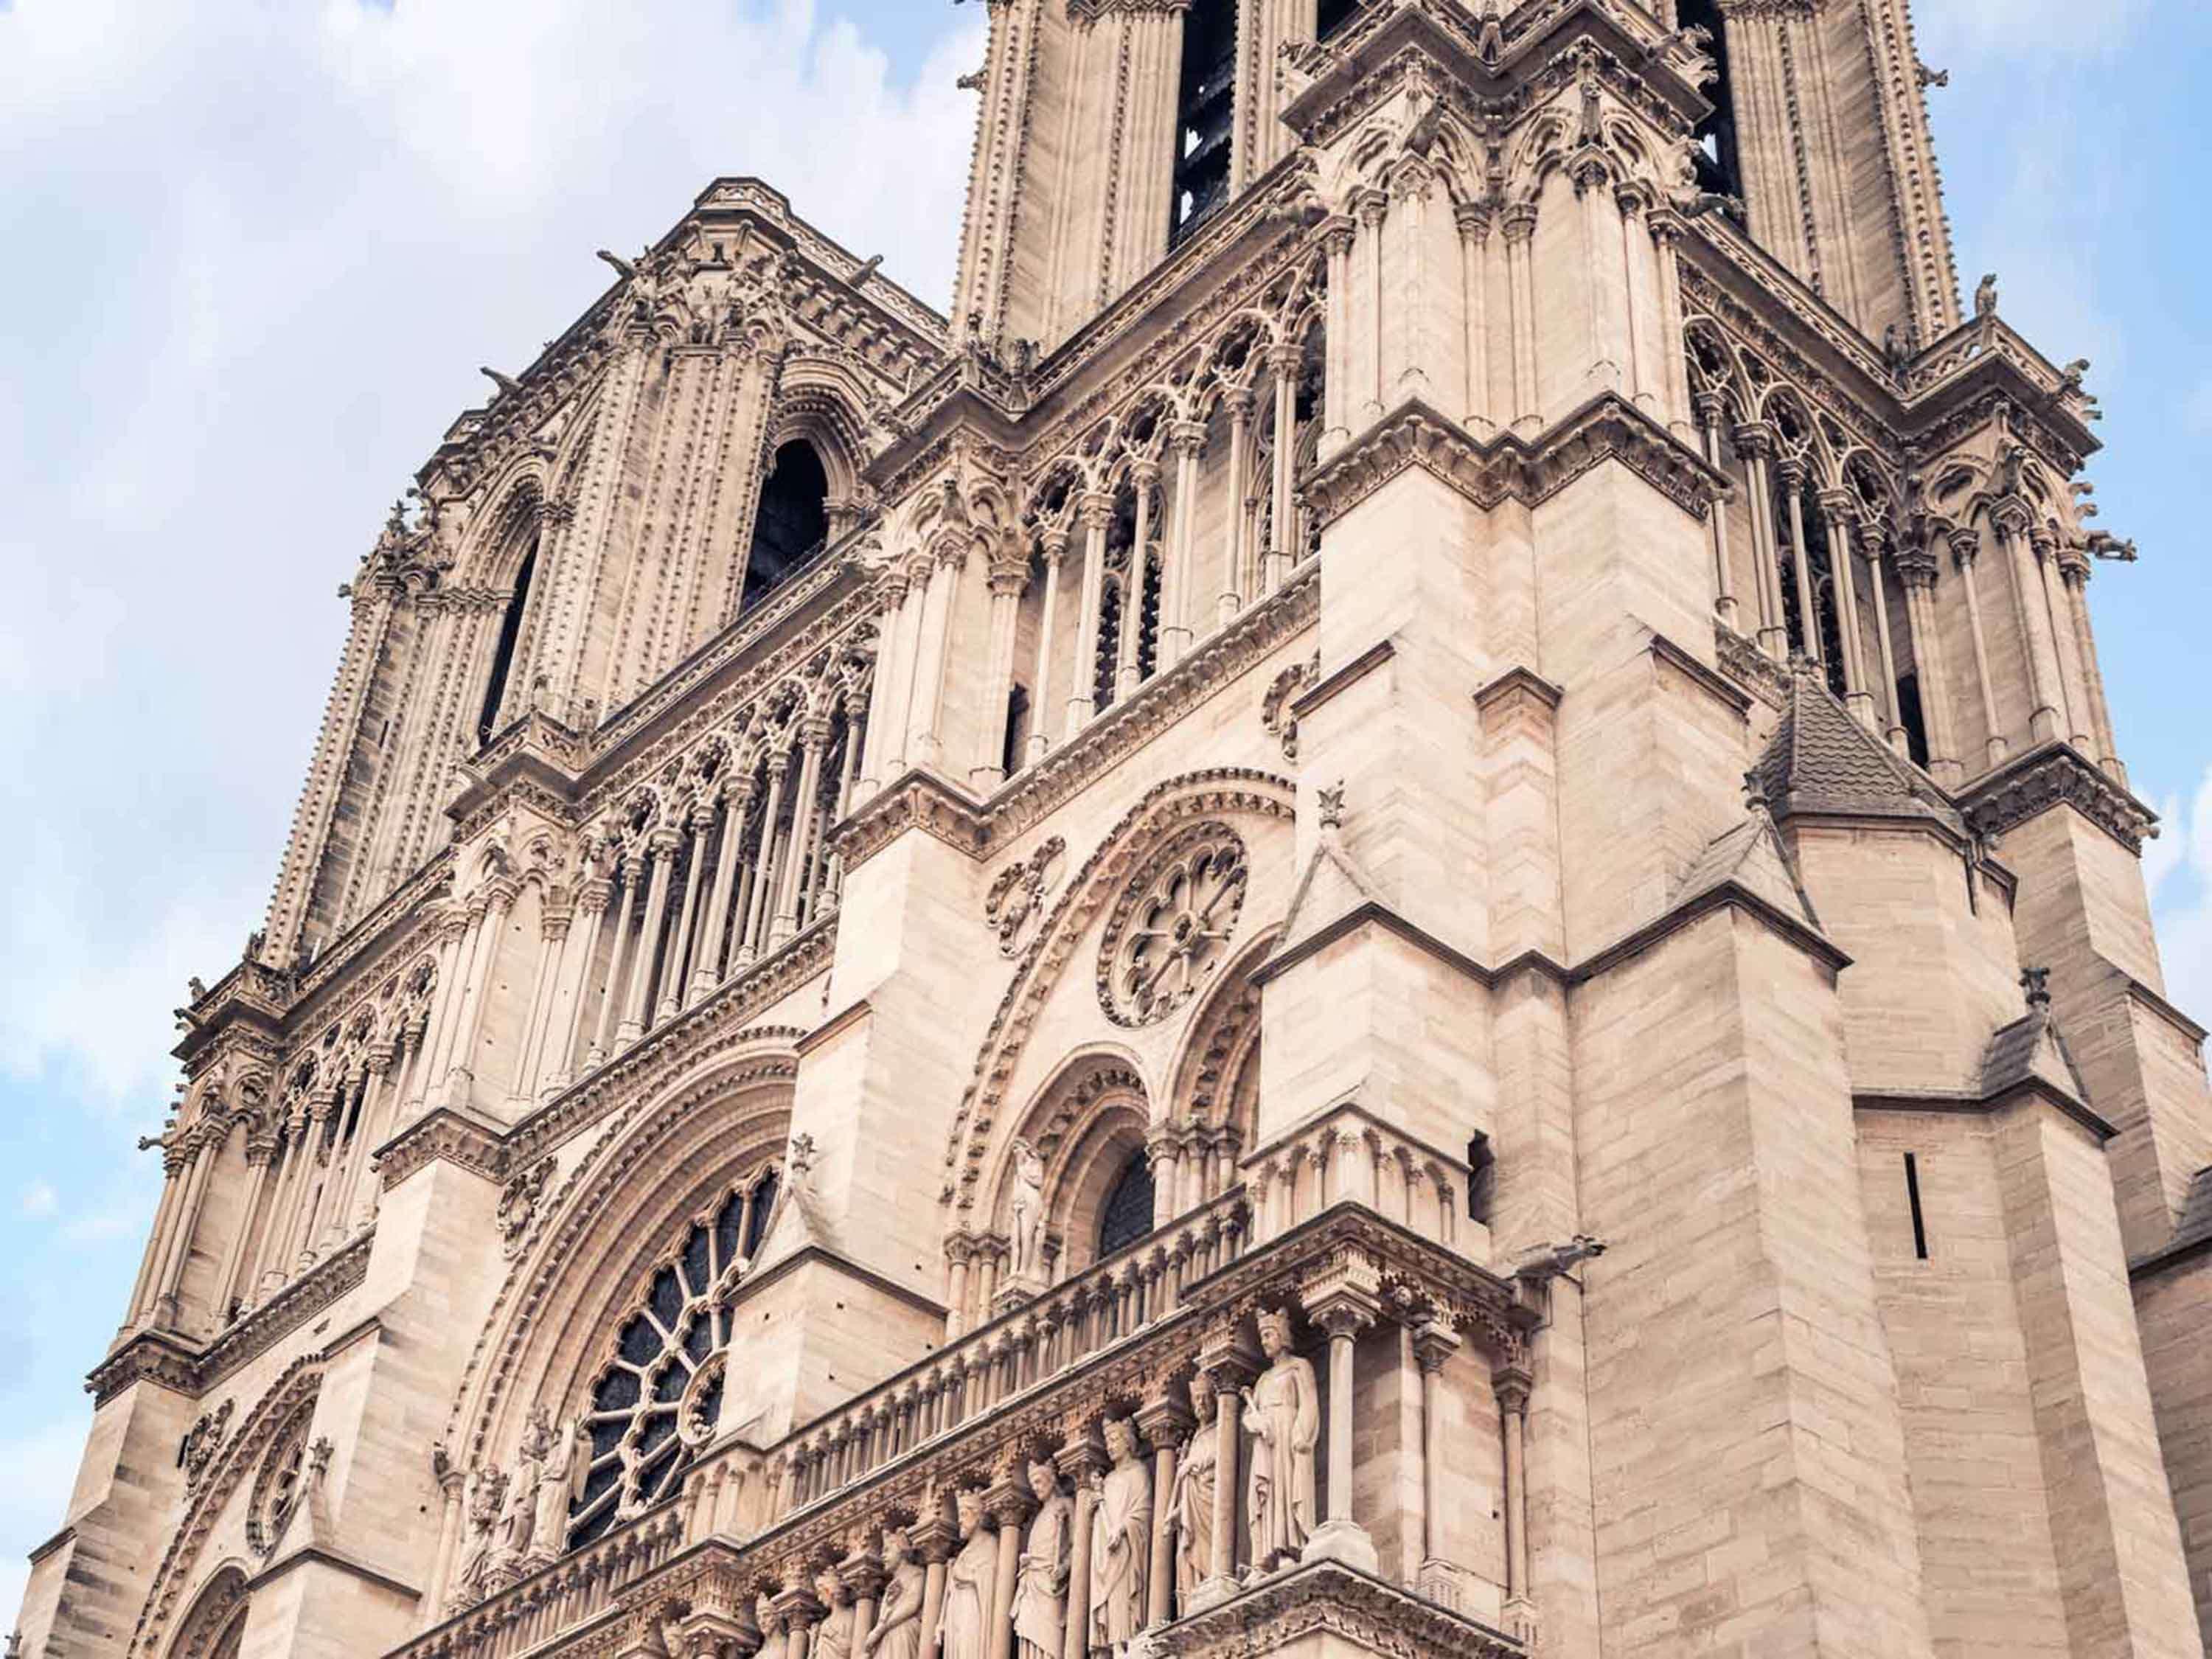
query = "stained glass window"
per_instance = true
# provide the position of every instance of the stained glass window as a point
(1128, 1214)
(658, 1401)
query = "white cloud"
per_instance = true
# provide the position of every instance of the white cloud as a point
(255, 253)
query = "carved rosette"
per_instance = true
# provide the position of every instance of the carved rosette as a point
(1173, 927)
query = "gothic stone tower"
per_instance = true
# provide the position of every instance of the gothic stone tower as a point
(1392, 914)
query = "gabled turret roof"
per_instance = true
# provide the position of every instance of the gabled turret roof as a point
(1822, 760)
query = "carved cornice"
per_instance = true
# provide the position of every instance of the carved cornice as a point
(919, 800)
(1743, 662)
(1328, 1598)
(1507, 467)
(1257, 633)
(150, 1356)
(442, 1136)
(2055, 774)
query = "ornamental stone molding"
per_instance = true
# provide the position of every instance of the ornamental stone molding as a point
(2057, 774)
(1329, 1600)
(1175, 925)
(1509, 468)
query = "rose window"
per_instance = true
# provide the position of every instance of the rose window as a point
(1171, 932)
(658, 1401)
(282, 1480)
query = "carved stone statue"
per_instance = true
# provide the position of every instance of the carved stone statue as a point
(832, 1636)
(1190, 1506)
(897, 1634)
(1986, 296)
(1283, 1411)
(519, 1515)
(1041, 1589)
(472, 1580)
(1025, 1210)
(560, 1483)
(1120, 1541)
(964, 1628)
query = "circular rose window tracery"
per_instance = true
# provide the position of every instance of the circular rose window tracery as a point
(657, 1401)
(280, 1482)
(1172, 929)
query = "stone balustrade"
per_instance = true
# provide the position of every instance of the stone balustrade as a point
(1065, 1327)
(1347, 1155)
(564, 1597)
(1150, 1373)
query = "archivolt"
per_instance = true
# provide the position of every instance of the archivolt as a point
(624, 1205)
(235, 1464)
(1220, 790)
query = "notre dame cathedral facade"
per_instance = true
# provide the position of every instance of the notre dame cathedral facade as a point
(1391, 914)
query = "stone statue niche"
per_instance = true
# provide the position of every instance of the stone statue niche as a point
(1282, 1411)
(1120, 1541)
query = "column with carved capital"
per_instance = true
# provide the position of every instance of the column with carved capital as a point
(1082, 1459)
(1055, 543)
(199, 1159)
(1240, 402)
(2045, 720)
(1337, 238)
(1710, 407)
(1893, 731)
(813, 739)
(1186, 442)
(1165, 1423)
(1521, 285)
(1792, 470)
(1232, 1363)
(912, 588)
(1009, 577)
(453, 1486)
(1842, 515)
(370, 1132)
(1281, 552)
(1097, 510)
(736, 802)
(1434, 1343)
(1754, 441)
(284, 1259)
(1965, 549)
(141, 1305)
(1128, 635)
(935, 1537)
(627, 868)
(1511, 1391)
(1372, 207)
(2074, 572)
(800, 1612)
(1009, 1505)
(1472, 220)
(555, 916)
(751, 941)
(230, 1286)
(1917, 570)
(660, 847)
(565, 1015)
(450, 974)
(1341, 1304)
(460, 1071)
(2058, 619)
(926, 747)
(700, 821)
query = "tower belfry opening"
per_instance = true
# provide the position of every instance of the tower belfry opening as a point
(793, 520)
(1714, 149)
(502, 660)
(1204, 114)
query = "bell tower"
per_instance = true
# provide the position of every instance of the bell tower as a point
(1820, 126)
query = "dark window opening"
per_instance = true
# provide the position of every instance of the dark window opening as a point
(1912, 1195)
(1912, 718)
(1109, 634)
(1714, 148)
(1206, 109)
(1129, 1213)
(502, 656)
(1334, 14)
(794, 518)
(1481, 1161)
(1017, 730)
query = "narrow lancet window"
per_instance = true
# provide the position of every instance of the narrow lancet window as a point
(1206, 109)
(1128, 1214)
(503, 657)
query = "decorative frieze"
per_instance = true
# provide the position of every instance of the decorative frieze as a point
(2054, 775)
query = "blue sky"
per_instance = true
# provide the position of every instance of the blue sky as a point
(255, 253)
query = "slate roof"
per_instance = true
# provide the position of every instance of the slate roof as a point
(2030, 1049)
(1751, 855)
(1822, 760)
